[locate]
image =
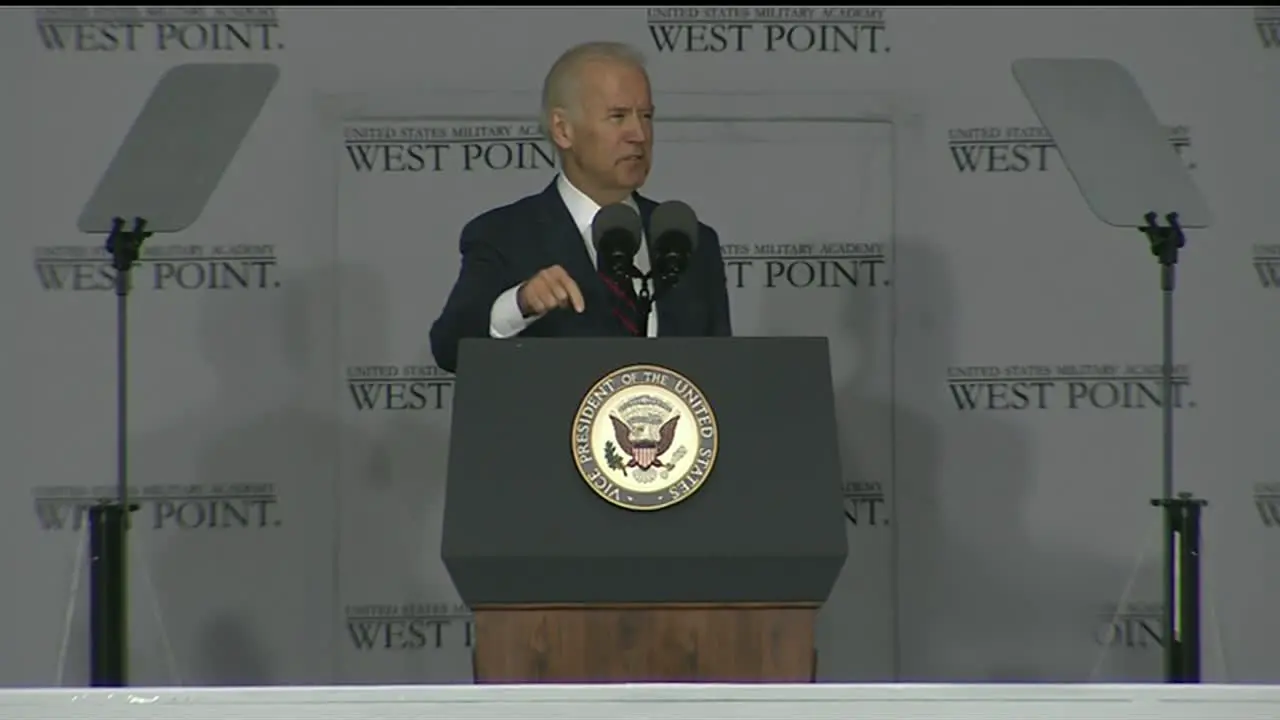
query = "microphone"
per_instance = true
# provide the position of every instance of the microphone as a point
(673, 233)
(615, 233)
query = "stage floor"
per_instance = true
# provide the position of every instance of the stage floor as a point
(650, 702)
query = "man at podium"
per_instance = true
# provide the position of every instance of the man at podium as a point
(529, 268)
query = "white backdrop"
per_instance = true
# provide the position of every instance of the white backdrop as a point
(289, 434)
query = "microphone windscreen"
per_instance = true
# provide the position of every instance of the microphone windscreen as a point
(676, 219)
(618, 221)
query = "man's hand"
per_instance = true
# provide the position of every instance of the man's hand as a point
(551, 288)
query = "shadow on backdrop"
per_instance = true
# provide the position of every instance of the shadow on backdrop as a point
(391, 500)
(980, 598)
(854, 630)
(241, 548)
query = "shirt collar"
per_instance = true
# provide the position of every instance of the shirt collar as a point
(582, 208)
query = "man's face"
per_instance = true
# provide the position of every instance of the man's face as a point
(609, 134)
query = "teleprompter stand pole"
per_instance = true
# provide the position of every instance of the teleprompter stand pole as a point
(1182, 513)
(107, 664)
(1182, 596)
(109, 519)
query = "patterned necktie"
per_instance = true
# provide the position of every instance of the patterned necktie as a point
(623, 298)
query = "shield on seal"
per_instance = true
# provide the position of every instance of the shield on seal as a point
(644, 456)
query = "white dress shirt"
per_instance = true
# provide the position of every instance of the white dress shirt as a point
(505, 319)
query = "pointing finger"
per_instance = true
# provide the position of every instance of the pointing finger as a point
(575, 295)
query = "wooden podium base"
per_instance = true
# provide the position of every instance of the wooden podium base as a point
(644, 643)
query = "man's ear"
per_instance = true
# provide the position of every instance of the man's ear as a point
(561, 129)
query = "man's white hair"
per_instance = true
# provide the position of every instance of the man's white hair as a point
(560, 88)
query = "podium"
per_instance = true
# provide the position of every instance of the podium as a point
(644, 509)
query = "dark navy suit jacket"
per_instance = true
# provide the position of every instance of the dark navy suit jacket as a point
(510, 244)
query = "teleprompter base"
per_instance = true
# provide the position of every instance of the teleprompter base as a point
(645, 643)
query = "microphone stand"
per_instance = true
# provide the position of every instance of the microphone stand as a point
(662, 282)
(644, 299)
(667, 270)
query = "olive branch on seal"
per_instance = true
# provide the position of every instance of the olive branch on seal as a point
(612, 457)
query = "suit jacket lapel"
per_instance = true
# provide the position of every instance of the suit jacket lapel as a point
(568, 249)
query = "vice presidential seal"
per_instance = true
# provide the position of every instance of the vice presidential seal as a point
(645, 438)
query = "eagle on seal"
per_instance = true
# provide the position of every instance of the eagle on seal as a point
(644, 454)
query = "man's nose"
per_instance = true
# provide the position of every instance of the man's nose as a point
(636, 129)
